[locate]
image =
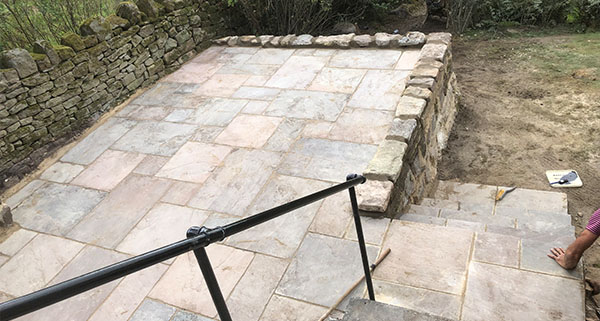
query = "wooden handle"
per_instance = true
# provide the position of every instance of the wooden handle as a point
(359, 281)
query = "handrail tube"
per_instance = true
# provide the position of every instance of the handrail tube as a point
(69, 288)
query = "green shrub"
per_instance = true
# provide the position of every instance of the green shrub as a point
(586, 12)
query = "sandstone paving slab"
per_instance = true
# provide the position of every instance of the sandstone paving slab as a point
(256, 93)
(497, 249)
(533, 258)
(216, 112)
(61, 172)
(183, 284)
(534, 220)
(56, 208)
(323, 269)
(334, 216)
(297, 72)
(16, 241)
(158, 94)
(379, 89)
(196, 73)
(536, 200)
(307, 105)
(179, 115)
(409, 59)
(317, 129)
(14, 200)
(151, 310)
(233, 187)
(257, 80)
(466, 225)
(82, 306)
(251, 131)
(36, 264)
(271, 56)
(426, 256)
(417, 299)
(425, 210)
(365, 59)
(208, 55)
(252, 293)
(222, 85)
(417, 218)
(476, 217)
(92, 146)
(286, 134)
(362, 126)
(128, 295)
(315, 52)
(108, 170)
(256, 107)
(281, 236)
(149, 113)
(326, 159)
(497, 293)
(112, 219)
(432, 202)
(150, 165)
(207, 134)
(157, 138)
(163, 225)
(293, 310)
(194, 162)
(338, 80)
(3, 259)
(373, 228)
(486, 208)
(180, 193)
(249, 69)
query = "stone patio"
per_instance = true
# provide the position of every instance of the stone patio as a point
(239, 130)
(233, 132)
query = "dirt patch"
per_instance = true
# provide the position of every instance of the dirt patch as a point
(522, 112)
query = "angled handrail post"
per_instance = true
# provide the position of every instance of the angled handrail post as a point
(361, 238)
(209, 275)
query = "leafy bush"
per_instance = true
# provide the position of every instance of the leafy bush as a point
(297, 16)
(586, 12)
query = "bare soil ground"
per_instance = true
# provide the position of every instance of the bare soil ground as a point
(530, 104)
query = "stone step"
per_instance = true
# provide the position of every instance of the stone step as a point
(479, 220)
(366, 310)
(484, 196)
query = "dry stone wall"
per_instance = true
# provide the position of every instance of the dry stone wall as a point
(53, 92)
(404, 168)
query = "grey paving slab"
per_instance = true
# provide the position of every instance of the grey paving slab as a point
(157, 138)
(365, 59)
(379, 89)
(61, 172)
(333, 216)
(466, 225)
(472, 193)
(323, 269)
(424, 210)
(194, 162)
(417, 218)
(216, 112)
(14, 200)
(87, 150)
(338, 80)
(293, 310)
(112, 219)
(497, 249)
(420, 300)
(307, 105)
(188, 316)
(286, 134)
(82, 306)
(207, 134)
(256, 93)
(326, 159)
(361, 309)
(271, 56)
(478, 218)
(151, 310)
(432, 202)
(281, 236)
(16, 241)
(426, 256)
(232, 188)
(150, 165)
(249, 69)
(536, 221)
(533, 258)
(374, 229)
(362, 126)
(507, 298)
(157, 95)
(536, 200)
(56, 208)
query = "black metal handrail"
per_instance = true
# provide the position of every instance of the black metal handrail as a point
(197, 239)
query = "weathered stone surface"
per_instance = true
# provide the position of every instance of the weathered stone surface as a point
(413, 38)
(379, 89)
(287, 41)
(434, 51)
(418, 92)
(20, 60)
(362, 309)
(374, 196)
(362, 40)
(340, 41)
(387, 162)
(303, 40)
(383, 39)
(402, 130)
(194, 162)
(95, 26)
(427, 69)
(72, 40)
(265, 40)
(130, 11)
(43, 47)
(307, 105)
(410, 107)
(149, 7)
(157, 138)
(439, 37)
(6, 218)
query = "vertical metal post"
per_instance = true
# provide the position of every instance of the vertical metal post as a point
(211, 279)
(361, 240)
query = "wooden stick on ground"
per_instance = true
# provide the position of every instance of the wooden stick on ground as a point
(335, 305)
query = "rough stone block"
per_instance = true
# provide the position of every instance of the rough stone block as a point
(362, 40)
(303, 40)
(439, 37)
(72, 40)
(422, 82)
(383, 39)
(374, 196)
(418, 92)
(287, 41)
(402, 130)
(6, 218)
(434, 51)
(43, 47)
(413, 38)
(130, 11)
(387, 163)
(20, 60)
(95, 26)
(427, 69)
(410, 107)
